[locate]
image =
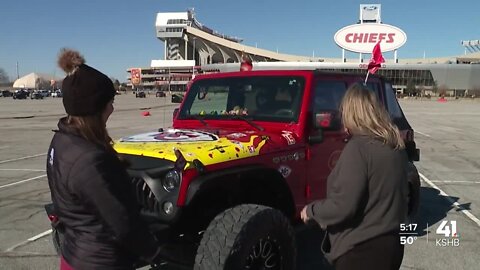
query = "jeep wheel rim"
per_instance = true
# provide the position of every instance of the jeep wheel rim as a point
(265, 254)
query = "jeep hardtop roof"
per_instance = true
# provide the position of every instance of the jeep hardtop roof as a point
(280, 72)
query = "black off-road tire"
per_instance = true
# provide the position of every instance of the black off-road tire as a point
(248, 237)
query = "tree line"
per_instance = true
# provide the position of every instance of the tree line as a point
(3, 76)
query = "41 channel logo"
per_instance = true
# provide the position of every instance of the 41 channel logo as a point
(449, 230)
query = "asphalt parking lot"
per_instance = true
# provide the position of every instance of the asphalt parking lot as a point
(447, 134)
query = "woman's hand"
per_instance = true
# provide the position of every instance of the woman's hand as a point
(303, 215)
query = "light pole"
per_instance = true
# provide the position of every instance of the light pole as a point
(194, 58)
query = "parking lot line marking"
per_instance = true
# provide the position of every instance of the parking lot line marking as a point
(22, 158)
(23, 181)
(29, 170)
(454, 203)
(424, 134)
(40, 235)
(31, 239)
(454, 182)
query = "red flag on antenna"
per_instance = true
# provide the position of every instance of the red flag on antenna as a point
(246, 64)
(377, 59)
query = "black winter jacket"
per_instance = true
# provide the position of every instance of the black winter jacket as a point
(91, 193)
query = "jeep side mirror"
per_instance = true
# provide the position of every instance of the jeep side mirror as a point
(175, 113)
(323, 120)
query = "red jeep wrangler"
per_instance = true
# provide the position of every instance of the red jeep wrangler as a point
(247, 151)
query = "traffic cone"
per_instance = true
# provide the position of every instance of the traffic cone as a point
(442, 100)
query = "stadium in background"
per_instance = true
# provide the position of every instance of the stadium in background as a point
(191, 48)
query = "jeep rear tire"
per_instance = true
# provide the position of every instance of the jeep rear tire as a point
(247, 237)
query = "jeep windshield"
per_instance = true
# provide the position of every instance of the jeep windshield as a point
(255, 98)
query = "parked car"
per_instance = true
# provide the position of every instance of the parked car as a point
(44, 93)
(6, 93)
(246, 152)
(20, 94)
(177, 98)
(140, 94)
(57, 93)
(36, 95)
(160, 93)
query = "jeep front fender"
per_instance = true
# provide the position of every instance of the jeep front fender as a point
(264, 179)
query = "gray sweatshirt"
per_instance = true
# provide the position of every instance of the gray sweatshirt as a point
(366, 195)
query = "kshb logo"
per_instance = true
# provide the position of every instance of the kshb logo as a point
(448, 230)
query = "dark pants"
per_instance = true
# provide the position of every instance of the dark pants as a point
(383, 253)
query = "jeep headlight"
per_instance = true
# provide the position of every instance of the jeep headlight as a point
(171, 181)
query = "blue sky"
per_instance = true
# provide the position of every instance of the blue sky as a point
(114, 35)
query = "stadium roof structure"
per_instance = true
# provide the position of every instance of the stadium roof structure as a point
(185, 38)
(189, 44)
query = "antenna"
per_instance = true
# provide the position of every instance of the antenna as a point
(191, 11)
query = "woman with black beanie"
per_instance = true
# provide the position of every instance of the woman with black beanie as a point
(89, 185)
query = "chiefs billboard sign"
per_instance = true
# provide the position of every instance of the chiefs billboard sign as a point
(135, 75)
(362, 38)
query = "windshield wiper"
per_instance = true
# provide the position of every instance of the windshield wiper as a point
(250, 122)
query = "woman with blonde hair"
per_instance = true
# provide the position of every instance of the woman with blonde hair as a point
(366, 191)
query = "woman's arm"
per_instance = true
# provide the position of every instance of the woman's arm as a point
(100, 186)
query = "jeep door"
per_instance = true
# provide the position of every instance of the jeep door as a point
(327, 94)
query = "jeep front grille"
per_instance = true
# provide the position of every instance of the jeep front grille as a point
(144, 195)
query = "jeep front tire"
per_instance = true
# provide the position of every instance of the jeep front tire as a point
(247, 237)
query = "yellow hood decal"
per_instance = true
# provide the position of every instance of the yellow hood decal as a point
(204, 146)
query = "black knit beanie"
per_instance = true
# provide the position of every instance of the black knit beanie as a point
(86, 91)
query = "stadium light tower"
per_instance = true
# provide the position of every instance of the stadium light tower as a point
(472, 45)
(369, 13)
